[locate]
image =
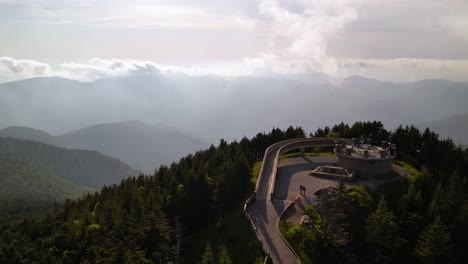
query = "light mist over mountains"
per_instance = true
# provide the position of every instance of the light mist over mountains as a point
(454, 127)
(142, 146)
(214, 107)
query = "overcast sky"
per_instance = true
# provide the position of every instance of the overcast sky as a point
(396, 40)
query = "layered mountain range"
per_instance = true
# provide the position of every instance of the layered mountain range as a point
(211, 107)
(143, 147)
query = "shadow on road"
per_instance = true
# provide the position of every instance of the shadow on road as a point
(306, 159)
(279, 206)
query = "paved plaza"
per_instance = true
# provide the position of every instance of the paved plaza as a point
(293, 172)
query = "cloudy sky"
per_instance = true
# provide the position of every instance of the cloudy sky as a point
(396, 40)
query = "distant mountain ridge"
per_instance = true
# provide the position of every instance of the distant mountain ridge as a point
(230, 107)
(28, 133)
(454, 127)
(142, 146)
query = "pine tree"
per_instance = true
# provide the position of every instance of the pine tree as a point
(436, 205)
(434, 243)
(454, 199)
(412, 201)
(224, 256)
(424, 184)
(382, 230)
(341, 190)
(208, 256)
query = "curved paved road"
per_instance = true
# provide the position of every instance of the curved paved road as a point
(266, 210)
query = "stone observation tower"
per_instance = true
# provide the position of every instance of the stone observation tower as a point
(364, 159)
(359, 160)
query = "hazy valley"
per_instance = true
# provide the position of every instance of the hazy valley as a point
(210, 106)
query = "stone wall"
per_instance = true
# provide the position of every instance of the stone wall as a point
(365, 166)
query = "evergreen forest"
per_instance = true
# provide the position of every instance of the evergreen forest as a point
(190, 211)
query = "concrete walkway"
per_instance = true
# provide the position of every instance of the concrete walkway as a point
(266, 213)
(274, 195)
(267, 210)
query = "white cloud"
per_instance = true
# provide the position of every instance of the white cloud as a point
(13, 69)
(397, 70)
(299, 35)
(96, 68)
(331, 36)
(390, 40)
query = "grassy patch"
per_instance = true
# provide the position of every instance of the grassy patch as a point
(309, 154)
(255, 171)
(410, 169)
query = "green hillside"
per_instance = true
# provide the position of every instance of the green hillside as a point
(142, 146)
(83, 167)
(187, 205)
(27, 187)
(20, 178)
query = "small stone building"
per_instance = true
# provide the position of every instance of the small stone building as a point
(366, 160)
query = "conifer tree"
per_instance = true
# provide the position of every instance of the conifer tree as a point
(341, 190)
(412, 201)
(224, 256)
(436, 205)
(382, 230)
(208, 256)
(434, 243)
(454, 199)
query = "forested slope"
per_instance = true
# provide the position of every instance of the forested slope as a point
(22, 179)
(29, 186)
(183, 213)
(143, 147)
(89, 168)
(154, 218)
